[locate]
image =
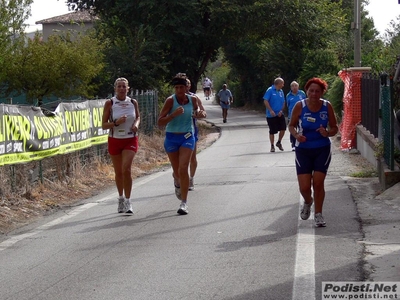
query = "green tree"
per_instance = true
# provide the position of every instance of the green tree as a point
(390, 57)
(150, 41)
(391, 51)
(59, 67)
(288, 35)
(13, 14)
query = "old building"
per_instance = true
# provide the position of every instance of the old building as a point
(73, 22)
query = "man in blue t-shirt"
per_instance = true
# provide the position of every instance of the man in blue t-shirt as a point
(292, 98)
(274, 100)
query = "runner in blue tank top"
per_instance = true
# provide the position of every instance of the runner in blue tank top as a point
(313, 122)
(177, 115)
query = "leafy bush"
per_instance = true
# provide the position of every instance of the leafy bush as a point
(335, 94)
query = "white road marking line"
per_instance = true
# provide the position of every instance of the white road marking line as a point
(304, 271)
(11, 241)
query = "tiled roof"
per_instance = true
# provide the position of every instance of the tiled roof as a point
(76, 16)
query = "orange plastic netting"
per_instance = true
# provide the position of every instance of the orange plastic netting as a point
(351, 107)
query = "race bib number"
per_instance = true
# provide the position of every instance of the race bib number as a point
(311, 119)
(121, 132)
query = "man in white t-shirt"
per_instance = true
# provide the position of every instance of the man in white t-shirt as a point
(207, 88)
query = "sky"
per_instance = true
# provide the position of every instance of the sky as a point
(382, 11)
(44, 9)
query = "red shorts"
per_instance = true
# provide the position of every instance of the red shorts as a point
(116, 146)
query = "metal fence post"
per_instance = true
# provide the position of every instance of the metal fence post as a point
(387, 120)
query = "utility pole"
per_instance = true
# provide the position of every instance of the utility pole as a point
(357, 33)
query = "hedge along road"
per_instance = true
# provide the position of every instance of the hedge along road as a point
(242, 238)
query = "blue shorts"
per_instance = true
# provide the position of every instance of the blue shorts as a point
(196, 130)
(173, 141)
(196, 134)
(309, 160)
(224, 105)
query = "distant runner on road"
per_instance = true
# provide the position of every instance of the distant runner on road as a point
(207, 88)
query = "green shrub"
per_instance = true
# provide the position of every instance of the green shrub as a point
(335, 94)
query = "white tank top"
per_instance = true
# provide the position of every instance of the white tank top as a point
(118, 109)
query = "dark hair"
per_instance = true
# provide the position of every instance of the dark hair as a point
(322, 83)
(179, 79)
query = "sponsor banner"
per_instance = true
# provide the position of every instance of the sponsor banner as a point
(360, 290)
(28, 133)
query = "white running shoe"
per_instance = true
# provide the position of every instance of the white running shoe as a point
(305, 211)
(191, 184)
(128, 206)
(178, 193)
(183, 209)
(319, 220)
(121, 205)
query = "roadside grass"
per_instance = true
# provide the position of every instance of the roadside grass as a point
(365, 174)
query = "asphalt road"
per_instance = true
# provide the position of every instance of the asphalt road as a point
(242, 238)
